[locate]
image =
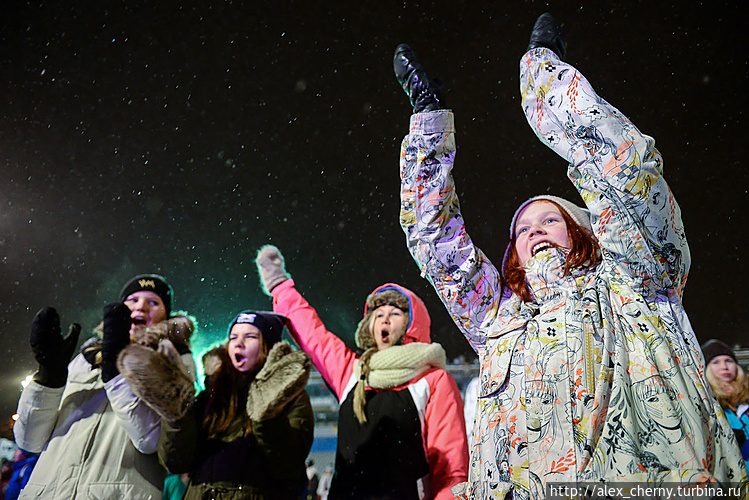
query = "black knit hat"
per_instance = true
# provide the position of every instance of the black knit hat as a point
(270, 324)
(715, 347)
(150, 283)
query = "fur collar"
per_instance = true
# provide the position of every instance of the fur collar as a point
(178, 329)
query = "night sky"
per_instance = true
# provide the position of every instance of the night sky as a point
(179, 137)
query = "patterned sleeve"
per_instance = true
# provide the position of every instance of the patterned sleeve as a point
(466, 281)
(616, 169)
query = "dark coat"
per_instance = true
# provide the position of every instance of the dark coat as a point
(268, 463)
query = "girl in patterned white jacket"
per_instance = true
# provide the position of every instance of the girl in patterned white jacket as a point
(590, 370)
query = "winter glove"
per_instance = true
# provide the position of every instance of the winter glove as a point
(547, 33)
(51, 350)
(159, 378)
(116, 337)
(178, 329)
(282, 378)
(270, 266)
(425, 94)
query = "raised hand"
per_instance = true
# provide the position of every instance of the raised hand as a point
(51, 350)
(547, 33)
(116, 337)
(425, 94)
(270, 267)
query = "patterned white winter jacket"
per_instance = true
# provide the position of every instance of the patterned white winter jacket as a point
(600, 378)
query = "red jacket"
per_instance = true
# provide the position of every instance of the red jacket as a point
(443, 426)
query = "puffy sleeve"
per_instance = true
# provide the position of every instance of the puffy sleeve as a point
(329, 353)
(287, 439)
(178, 442)
(37, 415)
(141, 423)
(616, 169)
(446, 441)
(466, 281)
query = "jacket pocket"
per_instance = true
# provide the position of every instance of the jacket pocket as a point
(36, 490)
(496, 360)
(107, 491)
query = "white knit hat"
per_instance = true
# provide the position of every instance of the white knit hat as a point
(578, 214)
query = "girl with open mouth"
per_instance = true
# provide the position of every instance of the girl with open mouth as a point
(249, 432)
(401, 432)
(586, 304)
(95, 434)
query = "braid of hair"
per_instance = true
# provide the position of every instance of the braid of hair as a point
(360, 397)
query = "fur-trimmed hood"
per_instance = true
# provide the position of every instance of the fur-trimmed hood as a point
(418, 329)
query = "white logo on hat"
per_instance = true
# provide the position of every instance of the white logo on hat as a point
(246, 318)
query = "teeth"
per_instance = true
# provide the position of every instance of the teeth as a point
(541, 246)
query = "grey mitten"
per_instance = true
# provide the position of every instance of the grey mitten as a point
(270, 266)
(282, 378)
(159, 378)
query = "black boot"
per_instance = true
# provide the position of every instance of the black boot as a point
(425, 94)
(547, 33)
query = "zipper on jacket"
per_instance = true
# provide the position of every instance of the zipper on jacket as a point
(589, 354)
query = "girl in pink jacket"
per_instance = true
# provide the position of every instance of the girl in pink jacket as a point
(401, 432)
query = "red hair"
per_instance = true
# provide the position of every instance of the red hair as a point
(583, 254)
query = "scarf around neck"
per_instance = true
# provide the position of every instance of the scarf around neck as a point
(398, 364)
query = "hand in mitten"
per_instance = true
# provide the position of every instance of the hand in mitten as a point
(159, 378)
(425, 94)
(282, 378)
(270, 266)
(547, 33)
(178, 329)
(116, 337)
(51, 350)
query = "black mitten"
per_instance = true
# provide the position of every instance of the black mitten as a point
(547, 33)
(116, 337)
(425, 94)
(51, 350)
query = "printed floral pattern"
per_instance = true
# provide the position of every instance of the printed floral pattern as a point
(600, 378)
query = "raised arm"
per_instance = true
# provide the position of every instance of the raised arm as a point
(466, 281)
(329, 353)
(139, 421)
(615, 167)
(280, 409)
(40, 399)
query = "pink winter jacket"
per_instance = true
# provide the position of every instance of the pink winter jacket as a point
(443, 434)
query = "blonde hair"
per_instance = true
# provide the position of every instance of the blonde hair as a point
(730, 394)
(365, 339)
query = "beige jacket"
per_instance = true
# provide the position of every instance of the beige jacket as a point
(97, 440)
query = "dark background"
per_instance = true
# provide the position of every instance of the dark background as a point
(179, 137)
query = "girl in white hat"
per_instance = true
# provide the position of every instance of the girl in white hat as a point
(585, 307)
